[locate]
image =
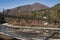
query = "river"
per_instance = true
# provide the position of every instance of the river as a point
(12, 32)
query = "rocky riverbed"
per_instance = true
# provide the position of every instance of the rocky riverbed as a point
(16, 33)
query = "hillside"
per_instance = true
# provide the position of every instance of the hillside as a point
(25, 16)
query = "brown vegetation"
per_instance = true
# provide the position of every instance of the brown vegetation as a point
(27, 17)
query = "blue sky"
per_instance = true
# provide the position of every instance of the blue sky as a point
(7, 4)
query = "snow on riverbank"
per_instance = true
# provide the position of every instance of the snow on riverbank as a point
(6, 24)
(10, 25)
(14, 26)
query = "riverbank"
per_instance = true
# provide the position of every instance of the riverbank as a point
(15, 26)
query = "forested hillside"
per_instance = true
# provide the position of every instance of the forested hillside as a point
(28, 17)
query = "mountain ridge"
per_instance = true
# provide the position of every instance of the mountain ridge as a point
(34, 6)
